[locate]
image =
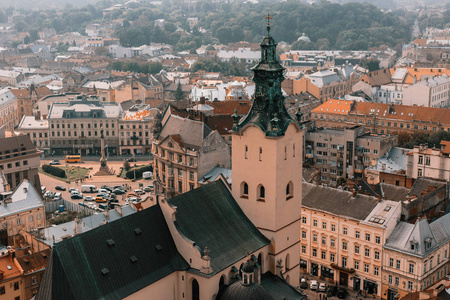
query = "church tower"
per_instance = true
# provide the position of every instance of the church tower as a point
(267, 165)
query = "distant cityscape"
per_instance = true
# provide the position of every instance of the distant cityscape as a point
(225, 150)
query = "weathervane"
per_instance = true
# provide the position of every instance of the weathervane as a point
(268, 21)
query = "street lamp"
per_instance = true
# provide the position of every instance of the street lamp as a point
(134, 171)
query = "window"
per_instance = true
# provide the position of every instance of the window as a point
(289, 190)
(356, 265)
(344, 262)
(427, 160)
(2, 288)
(397, 264)
(344, 230)
(315, 238)
(19, 221)
(368, 237)
(324, 255)
(261, 192)
(410, 285)
(411, 268)
(357, 234)
(333, 227)
(304, 220)
(420, 159)
(244, 189)
(331, 257)
(367, 252)
(16, 285)
(356, 249)
(376, 271)
(377, 240)
(419, 172)
(324, 240)
(191, 175)
(333, 243)
(390, 279)
(191, 161)
(425, 267)
(344, 245)
(366, 268)
(303, 234)
(377, 255)
(246, 152)
(315, 223)
(397, 281)
(324, 225)
(314, 252)
(303, 249)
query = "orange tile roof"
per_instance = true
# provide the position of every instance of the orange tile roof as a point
(334, 106)
(420, 42)
(228, 107)
(386, 111)
(446, 145)
(9, 273)
(419, 72)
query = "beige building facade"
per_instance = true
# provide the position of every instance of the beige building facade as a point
(343, 234)
(8, 109)
(429, 162)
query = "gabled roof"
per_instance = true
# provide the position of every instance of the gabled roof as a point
(337, 202)
(24, 198)
(228, 107)
(425, 185)
(113, 261)
(445, 146)
(211, 218)
(377, 78)
(191, 132)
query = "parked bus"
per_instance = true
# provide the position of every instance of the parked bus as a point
(73, 158)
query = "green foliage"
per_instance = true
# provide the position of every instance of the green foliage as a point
(55, 171)
(432, 140)
(179, 95)
(126, 164)
(435, 20)
(139, 171)
(127, 66)
(233, 67)
(371, 64)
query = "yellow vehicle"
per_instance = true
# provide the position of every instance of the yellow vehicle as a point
(73, 158)
(100, 200)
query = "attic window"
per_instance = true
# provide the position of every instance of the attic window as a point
(158, 247)
(105, 271)
(387, 208)
(133, 259)
(110, 243)
(138, 231)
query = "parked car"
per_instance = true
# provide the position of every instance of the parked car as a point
(118, 191)
(103, 195)
(107, 187)
(341, 293)
(89, 198)
(76, 196)
(100, 199)
(73, 190)
(118, 187)
(139, 192)
(313, 285)
(60, 188)
(54, 162)
(57, 196)
(303, 283)
(132, 159)
(131, 195)
(148, 188)
(322, 287)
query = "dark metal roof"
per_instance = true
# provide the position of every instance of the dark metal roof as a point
(90, 266)
(337, 202)
(279, 289)
(211, 218)
(240, 291)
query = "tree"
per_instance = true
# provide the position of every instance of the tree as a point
(179, 95)
(371, 64)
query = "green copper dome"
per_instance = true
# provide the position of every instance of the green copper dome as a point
(268, 111)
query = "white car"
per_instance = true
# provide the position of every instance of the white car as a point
(139, 192)
(322, 287)
(313, 285)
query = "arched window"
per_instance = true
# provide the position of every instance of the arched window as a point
(287, 262)
(222, 281)
(170, 145)
(293, 150)
(288, 279)
(261, 192)
(244, 189)
(195, 290)
(289, 190)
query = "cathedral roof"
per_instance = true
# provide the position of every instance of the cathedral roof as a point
(240, 291)
(114, 260)
(219, 224)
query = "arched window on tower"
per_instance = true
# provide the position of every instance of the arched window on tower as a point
(289, 190)
(261, 192)
(287, 262)
(195, 290)
(244, 189)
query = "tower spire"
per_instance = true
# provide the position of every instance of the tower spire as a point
(268, 111)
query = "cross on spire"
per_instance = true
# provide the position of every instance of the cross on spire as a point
(268, 17)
